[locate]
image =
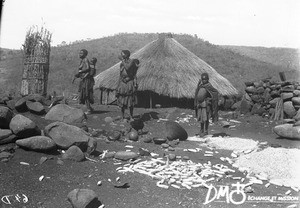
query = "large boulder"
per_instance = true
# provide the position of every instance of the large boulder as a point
(296, 100)
(287, 131)
(297, 116)
(6, 136)
(66, 114)
(36, 98)
(74, 153)
(245, 106)
(11, 104)
(65, 135)
(6, 115)
(289, 109)
(288, 88)
(23, 127)
(175, 131)
(83, 198)
(20, 105)
(37, 143)
(287, 96)
(124, 155)
(35, 107)
(297, 93)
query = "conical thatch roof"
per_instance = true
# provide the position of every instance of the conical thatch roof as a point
(169, 69)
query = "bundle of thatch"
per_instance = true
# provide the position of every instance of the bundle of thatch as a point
(37, 42)
(169, 69)
(36, 51)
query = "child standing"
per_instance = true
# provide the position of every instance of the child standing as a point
(205, 103)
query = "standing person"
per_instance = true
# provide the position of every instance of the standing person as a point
(127, 85)
(206, 103)
(85, 84)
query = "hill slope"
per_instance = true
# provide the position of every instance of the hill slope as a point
(284, 57)
(233, 65)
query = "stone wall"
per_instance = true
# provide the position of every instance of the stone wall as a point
(262, 96)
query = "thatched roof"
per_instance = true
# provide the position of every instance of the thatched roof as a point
(167, 68)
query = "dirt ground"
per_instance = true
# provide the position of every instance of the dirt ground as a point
(20, 184)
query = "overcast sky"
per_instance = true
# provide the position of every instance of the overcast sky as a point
(268, 23)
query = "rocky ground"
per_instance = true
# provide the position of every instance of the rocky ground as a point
(37, 179)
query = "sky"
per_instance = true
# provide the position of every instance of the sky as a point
(267, 23)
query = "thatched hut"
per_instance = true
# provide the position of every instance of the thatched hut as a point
(168, 75)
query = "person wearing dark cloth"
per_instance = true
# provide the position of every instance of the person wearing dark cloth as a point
(127, 85)
(205, 103)
(86, 82)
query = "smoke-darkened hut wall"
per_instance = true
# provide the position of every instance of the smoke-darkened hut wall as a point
(36, 55)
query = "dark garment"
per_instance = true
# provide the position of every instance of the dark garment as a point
(126, 90)
(86, 90)
(209, 107)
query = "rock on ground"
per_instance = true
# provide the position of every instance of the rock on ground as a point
(35, 107)
(289, 109)
(65, 113)
(124, 155)
(20, 105)
(287, 131)
(36, 98)
(6, 115)
(37, 143)
(83, 198)
(297, 116)
(5, 155)
(66, 135)
(6, 136)
(23, 127)
(74, 153)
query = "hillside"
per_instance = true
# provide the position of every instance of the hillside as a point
(233, 65)
(284, 57)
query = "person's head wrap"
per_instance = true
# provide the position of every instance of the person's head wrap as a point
(126, 53)
(204, 76)
(93, 60)
(85, 52)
